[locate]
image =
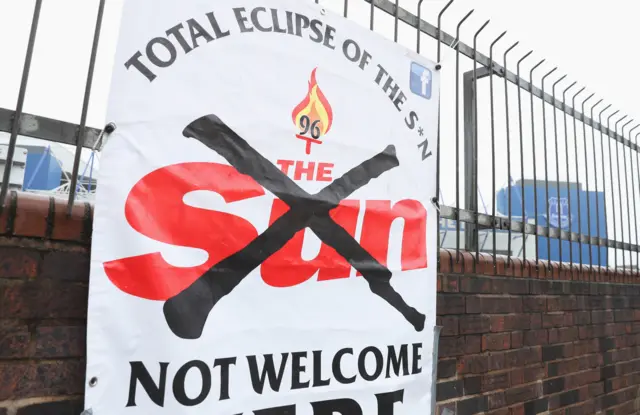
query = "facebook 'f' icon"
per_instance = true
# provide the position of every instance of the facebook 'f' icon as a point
(421, 80)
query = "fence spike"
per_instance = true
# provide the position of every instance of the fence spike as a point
(595, 173)
(15, 124)
(613, 200)
(633, 187)
(439, 56)
(575, 149)
(476, 232)
(439, 34)
(566, 146)
(604, 185)
(586, 170)
(458, 136)
(535, 174)
(506, 99)
(85, 107)
(493, 150)
(418, 26)
(396, 21)
(626, 187)
(546, 167)
(624, 265)
(522, 194)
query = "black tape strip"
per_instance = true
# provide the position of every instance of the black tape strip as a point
(187, 312)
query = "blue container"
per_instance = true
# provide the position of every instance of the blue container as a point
(42, 171)
(592, 206)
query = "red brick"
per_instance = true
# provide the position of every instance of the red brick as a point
(563, 335)
(445, 261)
(596, 389)
(446, 368)
(60, 341)
(599, 317)
(457, 346)
(25, 380)
(42, 299)
(497, 361)
(450, 284)
(496, 400)
(474, 324)
(562, 367)
(563, 303)
(31, 217)
(594, 302)
(69, 227)
(522, 394)
(493, 305)
(68, 266)
(521, 376)
(55, 379)
(624, 315)
(471, 284)
(517, 339)
(536, 337)
(582, 317)
(536, 321)
(495, 381)
(534, 304)
(582, 378)
(473, 365)
(511, 286)
(495, 342)
(586, 347)
(14, 380)
(512, 322)
(523, 357)
(14, 339)
(449, 325)
(473, 344)
(450, 304)
(18, 263)
(498, 323)
(553, 320)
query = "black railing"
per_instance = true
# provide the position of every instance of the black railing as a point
(574, 191)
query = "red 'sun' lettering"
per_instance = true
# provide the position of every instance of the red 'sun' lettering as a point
(286, 267)
(376, 230)
(155, 208)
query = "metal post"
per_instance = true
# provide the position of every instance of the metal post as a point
(85, 107)
(470, 151)
(458, 138)
(470, 191)
(15, 126)
(434, 368)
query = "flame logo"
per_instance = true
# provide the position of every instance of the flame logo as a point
(313, 116)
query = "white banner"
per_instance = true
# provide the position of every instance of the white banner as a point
(264, 241)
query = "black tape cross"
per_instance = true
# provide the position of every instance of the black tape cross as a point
(187, 312)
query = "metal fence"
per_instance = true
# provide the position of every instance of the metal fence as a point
(575, 158)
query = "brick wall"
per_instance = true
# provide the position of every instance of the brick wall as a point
(539, 341)
(533, 341)
(44, 269)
